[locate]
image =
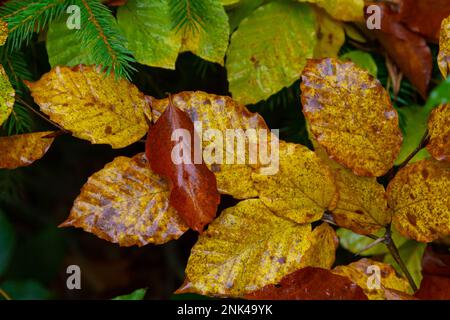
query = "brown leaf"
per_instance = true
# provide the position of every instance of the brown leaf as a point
(439, 131)
(425, 16)
(128, 204)
(193, 186)
(436, 276)
(351, 116)
(23, 149)
(408, 49)
(444, 48)
(310, 284)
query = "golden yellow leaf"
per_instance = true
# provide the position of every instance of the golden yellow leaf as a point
(93, 106)
(244, 249)
(351, 116)
(23, 149)
(439, 131)
(302, 189)
(419, 198)
(364, 273)
(361, 202)
(322, 251)
(126, 203)
(3, 32)
(444, 48)
(345, 10)
(220, 113)
(330, 35)
(7, 94)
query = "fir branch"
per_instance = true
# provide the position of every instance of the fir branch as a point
(25, 17)
(100, 31)
(19, 121)
(187, 13)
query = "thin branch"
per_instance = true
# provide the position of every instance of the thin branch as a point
(4, 294)
(373, 244)
(422, 144)
(396, 255)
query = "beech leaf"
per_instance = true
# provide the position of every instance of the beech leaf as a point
(330, 35)
(220, 113)
(193, 187)
(23, 149)
(128, 204)
(322, 251)
(346, 10)
(360, 271)
(418, 196)
(7, 95)
(93, 106)
(359, 131)
(444, 48)
(302, 189)
(244, 249)
(439, 132)
(310, 284)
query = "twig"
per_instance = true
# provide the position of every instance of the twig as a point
(422, 144)
(396, 255)
(373, 244)
(4, 294)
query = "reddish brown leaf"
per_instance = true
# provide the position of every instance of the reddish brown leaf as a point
(193, 187)
(408, 49)
(310, 284)
(425, 16)
(436, 276)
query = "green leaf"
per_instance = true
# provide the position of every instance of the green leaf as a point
(245, 7)
(64, 47)
(354, 242)
(7, 240)
(25, 290)
(440, 95)
(227, 3)
(413, 122)
(330, 35)
(411, 253)
(148, 27)
(135, 295)
(269, 50)
(362, 59)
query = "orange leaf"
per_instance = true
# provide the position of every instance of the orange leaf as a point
(439, 130)
(23, 149)
(193, 187)
(310, 284)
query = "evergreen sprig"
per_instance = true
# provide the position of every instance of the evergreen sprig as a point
(99, 31)
(187, 13)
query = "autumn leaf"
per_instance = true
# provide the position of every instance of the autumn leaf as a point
(23, 149)
(244, 249)
(310, 284)
(256, 70)
(345, 10)
(7, 94)
(418, 196)
(322, 251)
(439, 132)
(302, 189)
(330, 36)
(361, 131)
(361, 201)
(193, 188)
(3, 32)
(93, 106)
(444, 48)
(408, 49)
(436, 276)
(128, 204)
(425, 16)
(220, 113)
(360, 271)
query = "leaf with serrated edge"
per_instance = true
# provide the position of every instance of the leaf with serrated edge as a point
(244, 249)
(126, 203)
(350, 115)
(23, 149)
(92, 105)
(439, 131)
(418, 196)
(220, 113)
(360, 271)
(302, 189)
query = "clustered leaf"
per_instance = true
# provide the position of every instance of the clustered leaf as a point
(439, 131)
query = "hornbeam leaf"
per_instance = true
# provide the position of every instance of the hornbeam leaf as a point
(418, 196)
(244, 249)
(351, 116)
(93, 106)
(23, 149)
(128, 204)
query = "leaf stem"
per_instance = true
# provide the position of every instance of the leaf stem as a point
(396, 255)
(422, 144)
